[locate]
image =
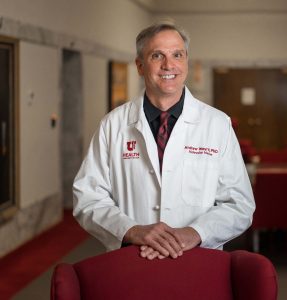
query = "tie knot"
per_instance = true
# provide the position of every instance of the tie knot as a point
(164, 115)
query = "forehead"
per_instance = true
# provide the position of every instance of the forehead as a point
(165, 40)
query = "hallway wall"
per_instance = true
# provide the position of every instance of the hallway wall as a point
(235, 35)
(231, 36)
(113, 23)
(39, 142)
(100, 31)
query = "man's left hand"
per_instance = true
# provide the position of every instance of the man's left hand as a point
(187, 235)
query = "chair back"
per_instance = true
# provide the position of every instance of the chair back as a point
(199, 274)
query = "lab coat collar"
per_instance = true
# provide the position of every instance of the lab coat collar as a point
(191, 112)
(191, 109)
(136, 110)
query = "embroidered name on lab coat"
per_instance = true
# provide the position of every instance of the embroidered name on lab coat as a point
(201, 150)
(131, 152)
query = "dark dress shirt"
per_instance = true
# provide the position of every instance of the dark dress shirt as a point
(153, 114)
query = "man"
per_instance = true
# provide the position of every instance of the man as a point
(164, 171)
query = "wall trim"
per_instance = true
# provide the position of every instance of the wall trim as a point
(233, 63)
(39, 35)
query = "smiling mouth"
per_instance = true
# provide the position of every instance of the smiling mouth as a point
(171, 76)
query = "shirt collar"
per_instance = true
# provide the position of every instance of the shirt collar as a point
(153, 112)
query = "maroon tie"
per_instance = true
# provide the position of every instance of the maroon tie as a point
(162, 136)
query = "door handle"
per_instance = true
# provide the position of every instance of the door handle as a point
(3, 138)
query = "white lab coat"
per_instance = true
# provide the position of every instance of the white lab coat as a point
(204, 183)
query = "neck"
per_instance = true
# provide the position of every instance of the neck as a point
(164, 102)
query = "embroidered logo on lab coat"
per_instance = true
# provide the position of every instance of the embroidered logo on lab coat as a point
(201, 150)
(131, 153)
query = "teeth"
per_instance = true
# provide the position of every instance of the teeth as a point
(168, 76)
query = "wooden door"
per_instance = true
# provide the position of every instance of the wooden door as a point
(257, 99)
(7, 126)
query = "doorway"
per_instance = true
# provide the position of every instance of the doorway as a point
(72, 122)
(8, 127)
(256, 99)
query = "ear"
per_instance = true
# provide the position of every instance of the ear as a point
(140, 65)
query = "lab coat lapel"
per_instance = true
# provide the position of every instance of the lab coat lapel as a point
(174, 151)
(138, 119)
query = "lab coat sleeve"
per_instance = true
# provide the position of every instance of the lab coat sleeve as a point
(234, 203)
(94, 207)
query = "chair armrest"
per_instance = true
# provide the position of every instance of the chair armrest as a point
(253, 276)
(65, 284)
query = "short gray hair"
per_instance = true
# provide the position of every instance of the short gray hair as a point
(149, 32)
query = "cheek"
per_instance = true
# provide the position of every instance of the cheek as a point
(150, 70)
(184, 66)
(184, 70)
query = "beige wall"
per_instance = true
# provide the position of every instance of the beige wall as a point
(232, 34)
(112, 24)
(39, 142)
(235, 36)
(95, 74)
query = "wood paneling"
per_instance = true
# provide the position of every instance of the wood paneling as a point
(265, 121)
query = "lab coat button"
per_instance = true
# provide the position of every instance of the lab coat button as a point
(151, 171)
(157, 207)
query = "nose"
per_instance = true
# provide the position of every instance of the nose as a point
(167, 63)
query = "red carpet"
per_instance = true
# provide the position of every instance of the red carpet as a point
(24, 264)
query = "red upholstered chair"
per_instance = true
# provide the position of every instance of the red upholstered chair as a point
(273, 156)
(271, 203)
(200, 274)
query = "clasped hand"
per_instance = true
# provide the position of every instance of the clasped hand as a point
(160, 240)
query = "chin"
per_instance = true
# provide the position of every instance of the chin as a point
(172, 90)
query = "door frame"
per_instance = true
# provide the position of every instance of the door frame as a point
(7, 210)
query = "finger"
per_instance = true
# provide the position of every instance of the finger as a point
(154, 242)
(164, 236)
(153, 255)
(171, 244)
(149, 253)
(146, 252)
(156, 245)
(168, 243)
(176, 236)
(164, 243)
(160, 238)
(177, 246)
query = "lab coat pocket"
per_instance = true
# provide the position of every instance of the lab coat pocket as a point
(199, 182)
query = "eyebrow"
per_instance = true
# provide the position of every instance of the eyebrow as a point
(161, 51)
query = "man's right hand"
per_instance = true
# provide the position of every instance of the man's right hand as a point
(160, 237)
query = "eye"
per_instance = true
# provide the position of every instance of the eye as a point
(178, 55)
(157, 56)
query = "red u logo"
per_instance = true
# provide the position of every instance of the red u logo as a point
(131, 145)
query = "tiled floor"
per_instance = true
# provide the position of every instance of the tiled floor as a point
(40, 287)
